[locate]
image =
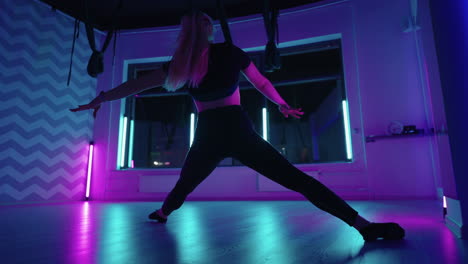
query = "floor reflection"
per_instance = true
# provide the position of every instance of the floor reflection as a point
(82, 241)
(280, 232)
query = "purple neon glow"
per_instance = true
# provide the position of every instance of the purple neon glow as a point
(82, 236)
(90, 166)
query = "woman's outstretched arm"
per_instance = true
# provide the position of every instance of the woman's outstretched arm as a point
(152, 79)
(266, 88)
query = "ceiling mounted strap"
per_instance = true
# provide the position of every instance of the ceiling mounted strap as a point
(96, 62)
(76, 34)
(223, 20)
(116, 30)
(272, 54)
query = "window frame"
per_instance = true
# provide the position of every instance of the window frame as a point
(257, 57)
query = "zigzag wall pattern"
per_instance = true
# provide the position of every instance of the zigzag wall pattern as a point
(43, 146)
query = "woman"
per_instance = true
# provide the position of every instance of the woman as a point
(211, 72)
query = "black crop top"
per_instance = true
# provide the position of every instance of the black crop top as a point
(224, 65)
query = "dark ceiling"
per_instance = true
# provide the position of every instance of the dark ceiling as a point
(134, 14)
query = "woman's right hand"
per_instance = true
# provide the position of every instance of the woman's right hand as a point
(94, 104)
(287, 111)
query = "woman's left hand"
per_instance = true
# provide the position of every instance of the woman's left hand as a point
(94, 104)
(286, 110)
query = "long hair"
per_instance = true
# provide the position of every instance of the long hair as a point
(190, 60)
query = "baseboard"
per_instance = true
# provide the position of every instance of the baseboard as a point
(453, 219)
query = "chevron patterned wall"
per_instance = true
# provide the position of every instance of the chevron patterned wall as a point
(43, 146)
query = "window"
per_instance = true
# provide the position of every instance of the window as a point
(160, 124)
(311, 78)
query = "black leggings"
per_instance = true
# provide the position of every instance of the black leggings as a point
(228, 132)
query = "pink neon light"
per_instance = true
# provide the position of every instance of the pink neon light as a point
(133, 164)
(90, 166)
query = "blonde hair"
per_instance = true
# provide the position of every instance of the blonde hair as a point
(190, 60)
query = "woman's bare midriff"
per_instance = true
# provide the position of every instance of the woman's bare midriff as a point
(233, 99)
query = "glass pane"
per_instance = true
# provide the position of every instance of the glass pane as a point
(318, 136)
(162, 131)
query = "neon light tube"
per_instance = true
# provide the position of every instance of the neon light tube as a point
(349, 152)
(192, 127)
(445, 202)
(265, 125)
(119, 143)
(124, 141)
(90, 167)
(130, 144)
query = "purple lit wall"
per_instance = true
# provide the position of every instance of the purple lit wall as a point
(43, 146)
(385, 81)
(451, 39)
(431, 75)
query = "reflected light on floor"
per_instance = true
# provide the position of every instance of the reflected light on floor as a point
(269, 231)
(449, 250)
(118, 240)
(82, 240)
(190, 236)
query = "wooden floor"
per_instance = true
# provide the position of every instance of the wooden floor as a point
(241, 232)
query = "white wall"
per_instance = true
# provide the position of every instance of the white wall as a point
(43, 146)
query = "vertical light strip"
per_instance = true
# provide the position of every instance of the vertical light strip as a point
(124, 142)
(130, 144)
(192, 127)
(347, 130)
(90, 167)
(119, 143)
(265, 124)
(445, 202)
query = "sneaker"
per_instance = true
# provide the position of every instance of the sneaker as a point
(155, 216)
(387, 231)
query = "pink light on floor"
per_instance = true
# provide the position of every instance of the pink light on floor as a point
(82, 236)
(90, 166)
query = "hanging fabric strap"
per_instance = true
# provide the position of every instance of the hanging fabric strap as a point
(96, 62)
(223, 20)
(76, 34)
(114, 24)
(272, 55)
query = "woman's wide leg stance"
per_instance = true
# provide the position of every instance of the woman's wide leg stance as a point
(228, 132)
(259, 155)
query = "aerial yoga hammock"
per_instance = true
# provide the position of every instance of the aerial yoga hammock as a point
(96, 64)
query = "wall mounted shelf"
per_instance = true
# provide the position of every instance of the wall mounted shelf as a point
(421, 133)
